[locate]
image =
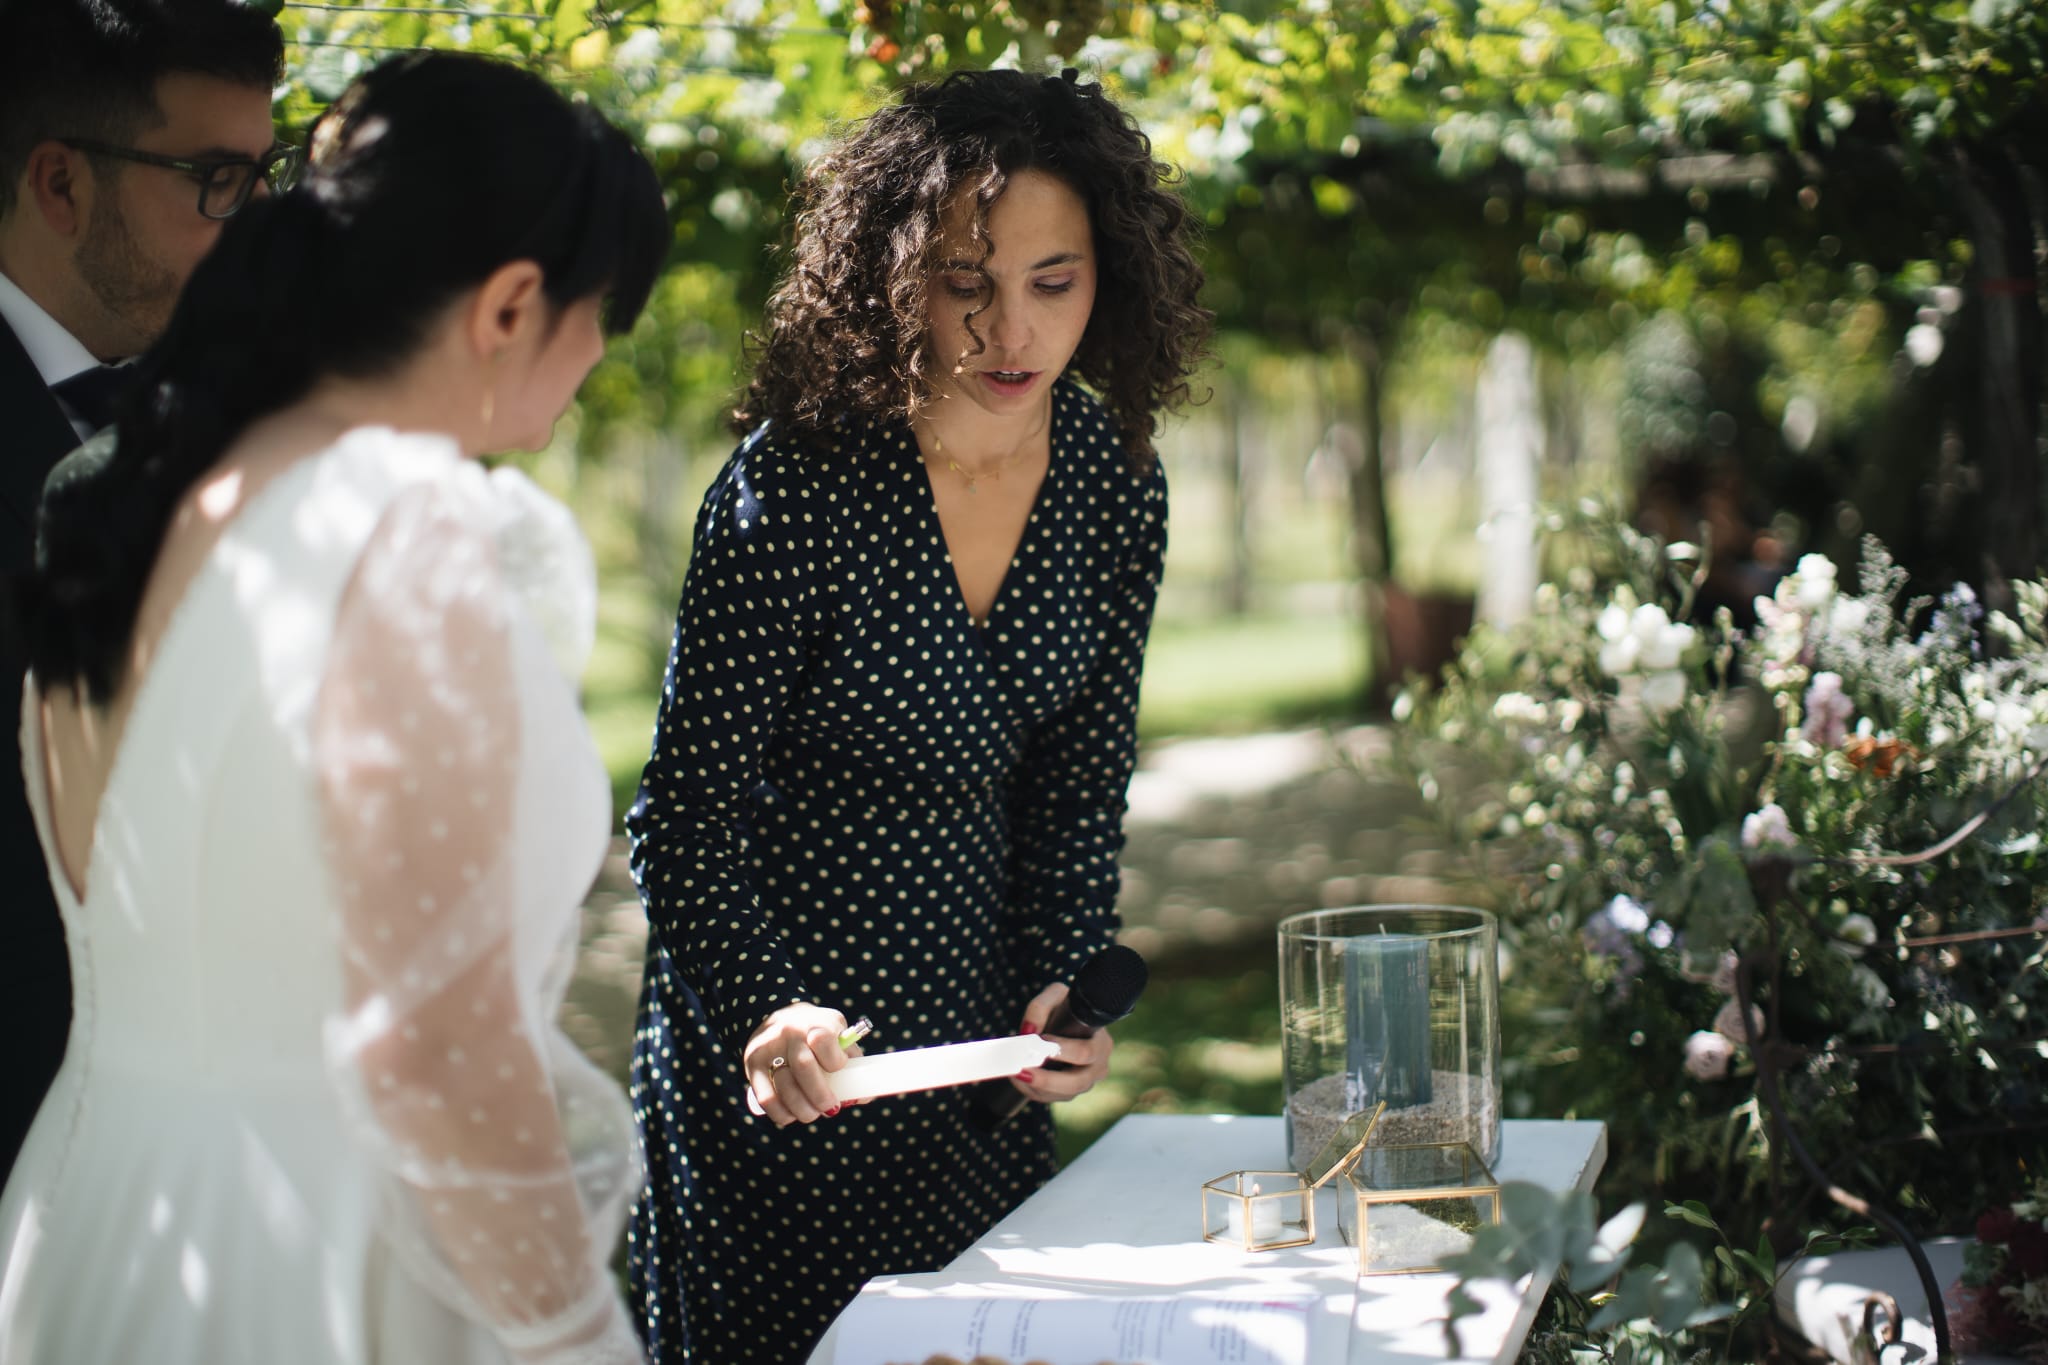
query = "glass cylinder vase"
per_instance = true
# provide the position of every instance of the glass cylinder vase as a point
(1393, 1003)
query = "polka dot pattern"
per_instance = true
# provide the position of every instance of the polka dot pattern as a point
(861, 798)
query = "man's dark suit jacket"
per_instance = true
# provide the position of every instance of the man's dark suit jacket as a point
(35, 977)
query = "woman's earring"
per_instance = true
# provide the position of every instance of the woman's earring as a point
(490, 396)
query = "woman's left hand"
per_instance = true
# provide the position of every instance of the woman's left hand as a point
(1088, 1057)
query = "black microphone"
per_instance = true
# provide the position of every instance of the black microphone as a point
(1105, 991)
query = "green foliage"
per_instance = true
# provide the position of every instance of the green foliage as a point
(1662, 831)
(1616, 1307)
(1561, 168)
(1541, 1230)
(730, 93)
(1614, 81)
(726, 98)
(1206, 1039)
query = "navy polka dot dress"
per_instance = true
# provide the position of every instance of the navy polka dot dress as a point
(861, 798)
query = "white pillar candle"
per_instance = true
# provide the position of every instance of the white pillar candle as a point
(927, 1068)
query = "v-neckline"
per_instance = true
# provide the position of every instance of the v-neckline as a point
(205, 578)
(196, 588)
(949, 562)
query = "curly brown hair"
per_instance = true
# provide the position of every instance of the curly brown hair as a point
(846, 333)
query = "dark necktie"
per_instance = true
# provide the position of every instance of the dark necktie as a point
(95, 393)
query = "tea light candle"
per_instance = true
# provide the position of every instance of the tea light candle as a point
(1265, 1218)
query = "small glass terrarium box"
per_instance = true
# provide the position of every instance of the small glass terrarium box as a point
(1268, 1210)
(1409, 1208)
(1259, 1210)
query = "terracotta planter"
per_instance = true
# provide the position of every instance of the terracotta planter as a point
(1422, 631)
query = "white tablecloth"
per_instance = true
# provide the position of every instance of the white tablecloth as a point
(1125, 1221)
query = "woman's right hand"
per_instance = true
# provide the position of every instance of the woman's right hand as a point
(787, 1060)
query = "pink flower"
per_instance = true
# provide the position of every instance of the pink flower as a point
(1769, 827)
(1707, 1056)
(1828, 711)
(1728, 1022)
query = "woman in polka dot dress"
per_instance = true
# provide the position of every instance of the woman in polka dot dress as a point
(899, 717)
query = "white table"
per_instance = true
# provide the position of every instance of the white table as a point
(1125, 1221)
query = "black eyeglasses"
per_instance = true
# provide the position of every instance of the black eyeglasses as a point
(225, 183)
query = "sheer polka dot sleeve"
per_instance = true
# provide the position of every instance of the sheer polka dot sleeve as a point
(416, 743)
(1067, 805)
(752, 606)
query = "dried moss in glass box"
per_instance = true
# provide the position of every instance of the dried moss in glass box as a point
(1409, 1208)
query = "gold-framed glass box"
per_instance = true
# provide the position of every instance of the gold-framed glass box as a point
(1259, 1210)
(1408, 1208)
(1269, 1210)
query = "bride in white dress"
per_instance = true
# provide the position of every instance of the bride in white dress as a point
(302, 739)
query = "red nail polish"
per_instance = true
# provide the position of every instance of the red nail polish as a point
(1025, 1077)
(833, 1112)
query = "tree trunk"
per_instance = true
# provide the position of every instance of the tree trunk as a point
(1507, 450)
(1372, 539)
(2002, 423)
(1241, 469)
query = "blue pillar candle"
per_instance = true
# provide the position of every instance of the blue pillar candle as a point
(1386, 1021)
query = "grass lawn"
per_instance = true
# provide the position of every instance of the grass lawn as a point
(1236, 675)
(1205, 1039)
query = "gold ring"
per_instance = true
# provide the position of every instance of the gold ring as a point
(777, 1063)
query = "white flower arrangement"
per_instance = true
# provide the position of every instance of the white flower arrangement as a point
(1641, 640)
(1656, 858)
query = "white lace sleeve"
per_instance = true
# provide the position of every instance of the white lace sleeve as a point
(548, 565)
(417, 747)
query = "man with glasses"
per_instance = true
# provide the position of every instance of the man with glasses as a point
(129, 130)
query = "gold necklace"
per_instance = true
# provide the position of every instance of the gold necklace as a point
(974, 477)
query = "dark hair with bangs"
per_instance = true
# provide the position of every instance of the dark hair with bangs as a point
(846, 331)
(431, 172)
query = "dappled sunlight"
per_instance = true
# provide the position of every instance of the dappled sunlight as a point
(1246, 1063)
(28, 1235)
(279, 1203)
(192, 1276)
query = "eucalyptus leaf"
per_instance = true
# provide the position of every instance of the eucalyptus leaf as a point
(1539, 1219)
(1618, 1232)
(1677, 1288)
(1694, 1212)
(1635, 1297)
